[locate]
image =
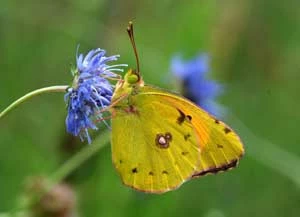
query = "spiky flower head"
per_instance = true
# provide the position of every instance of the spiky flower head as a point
(197, 86)
(90, 93)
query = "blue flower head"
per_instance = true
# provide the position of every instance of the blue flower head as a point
(196, 85)
(90, 93)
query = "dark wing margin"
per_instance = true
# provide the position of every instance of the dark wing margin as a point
(224, 168)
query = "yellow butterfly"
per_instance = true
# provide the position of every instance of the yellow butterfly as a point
(160, 139)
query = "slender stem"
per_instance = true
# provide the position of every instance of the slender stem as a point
(269, 154)
(68, 167)
(65, 170)
(61, 88)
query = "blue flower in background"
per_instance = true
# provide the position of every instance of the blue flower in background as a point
(196, 85)
(90, 92)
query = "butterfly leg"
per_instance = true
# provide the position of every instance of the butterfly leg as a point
(112, 104)
(103, 119)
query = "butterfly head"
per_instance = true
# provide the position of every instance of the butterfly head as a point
(133, 77)
(131, 82)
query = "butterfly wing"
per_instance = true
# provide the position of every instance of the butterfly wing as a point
(153, 149)
(221, 148)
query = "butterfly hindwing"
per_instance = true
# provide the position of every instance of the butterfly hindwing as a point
(154, 147)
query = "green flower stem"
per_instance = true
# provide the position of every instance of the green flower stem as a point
(65, 170)
(269, 154)
(61, 88)
(68, 167)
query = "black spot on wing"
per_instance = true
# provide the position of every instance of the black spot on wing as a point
(184, 153)
(220, 146)
(134, 170)
(186, 136)
(181, 117)
(227, 130)
(165, 172)
(163, 140)
(168, 136)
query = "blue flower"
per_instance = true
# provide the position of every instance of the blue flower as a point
(90, 93)
(196, 85)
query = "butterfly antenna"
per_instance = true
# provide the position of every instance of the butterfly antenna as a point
(131, 36)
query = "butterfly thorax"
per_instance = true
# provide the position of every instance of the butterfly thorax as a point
(126, 87)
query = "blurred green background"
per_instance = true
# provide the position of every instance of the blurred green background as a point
(255, 51)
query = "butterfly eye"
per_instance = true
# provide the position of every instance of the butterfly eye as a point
(132, 79)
